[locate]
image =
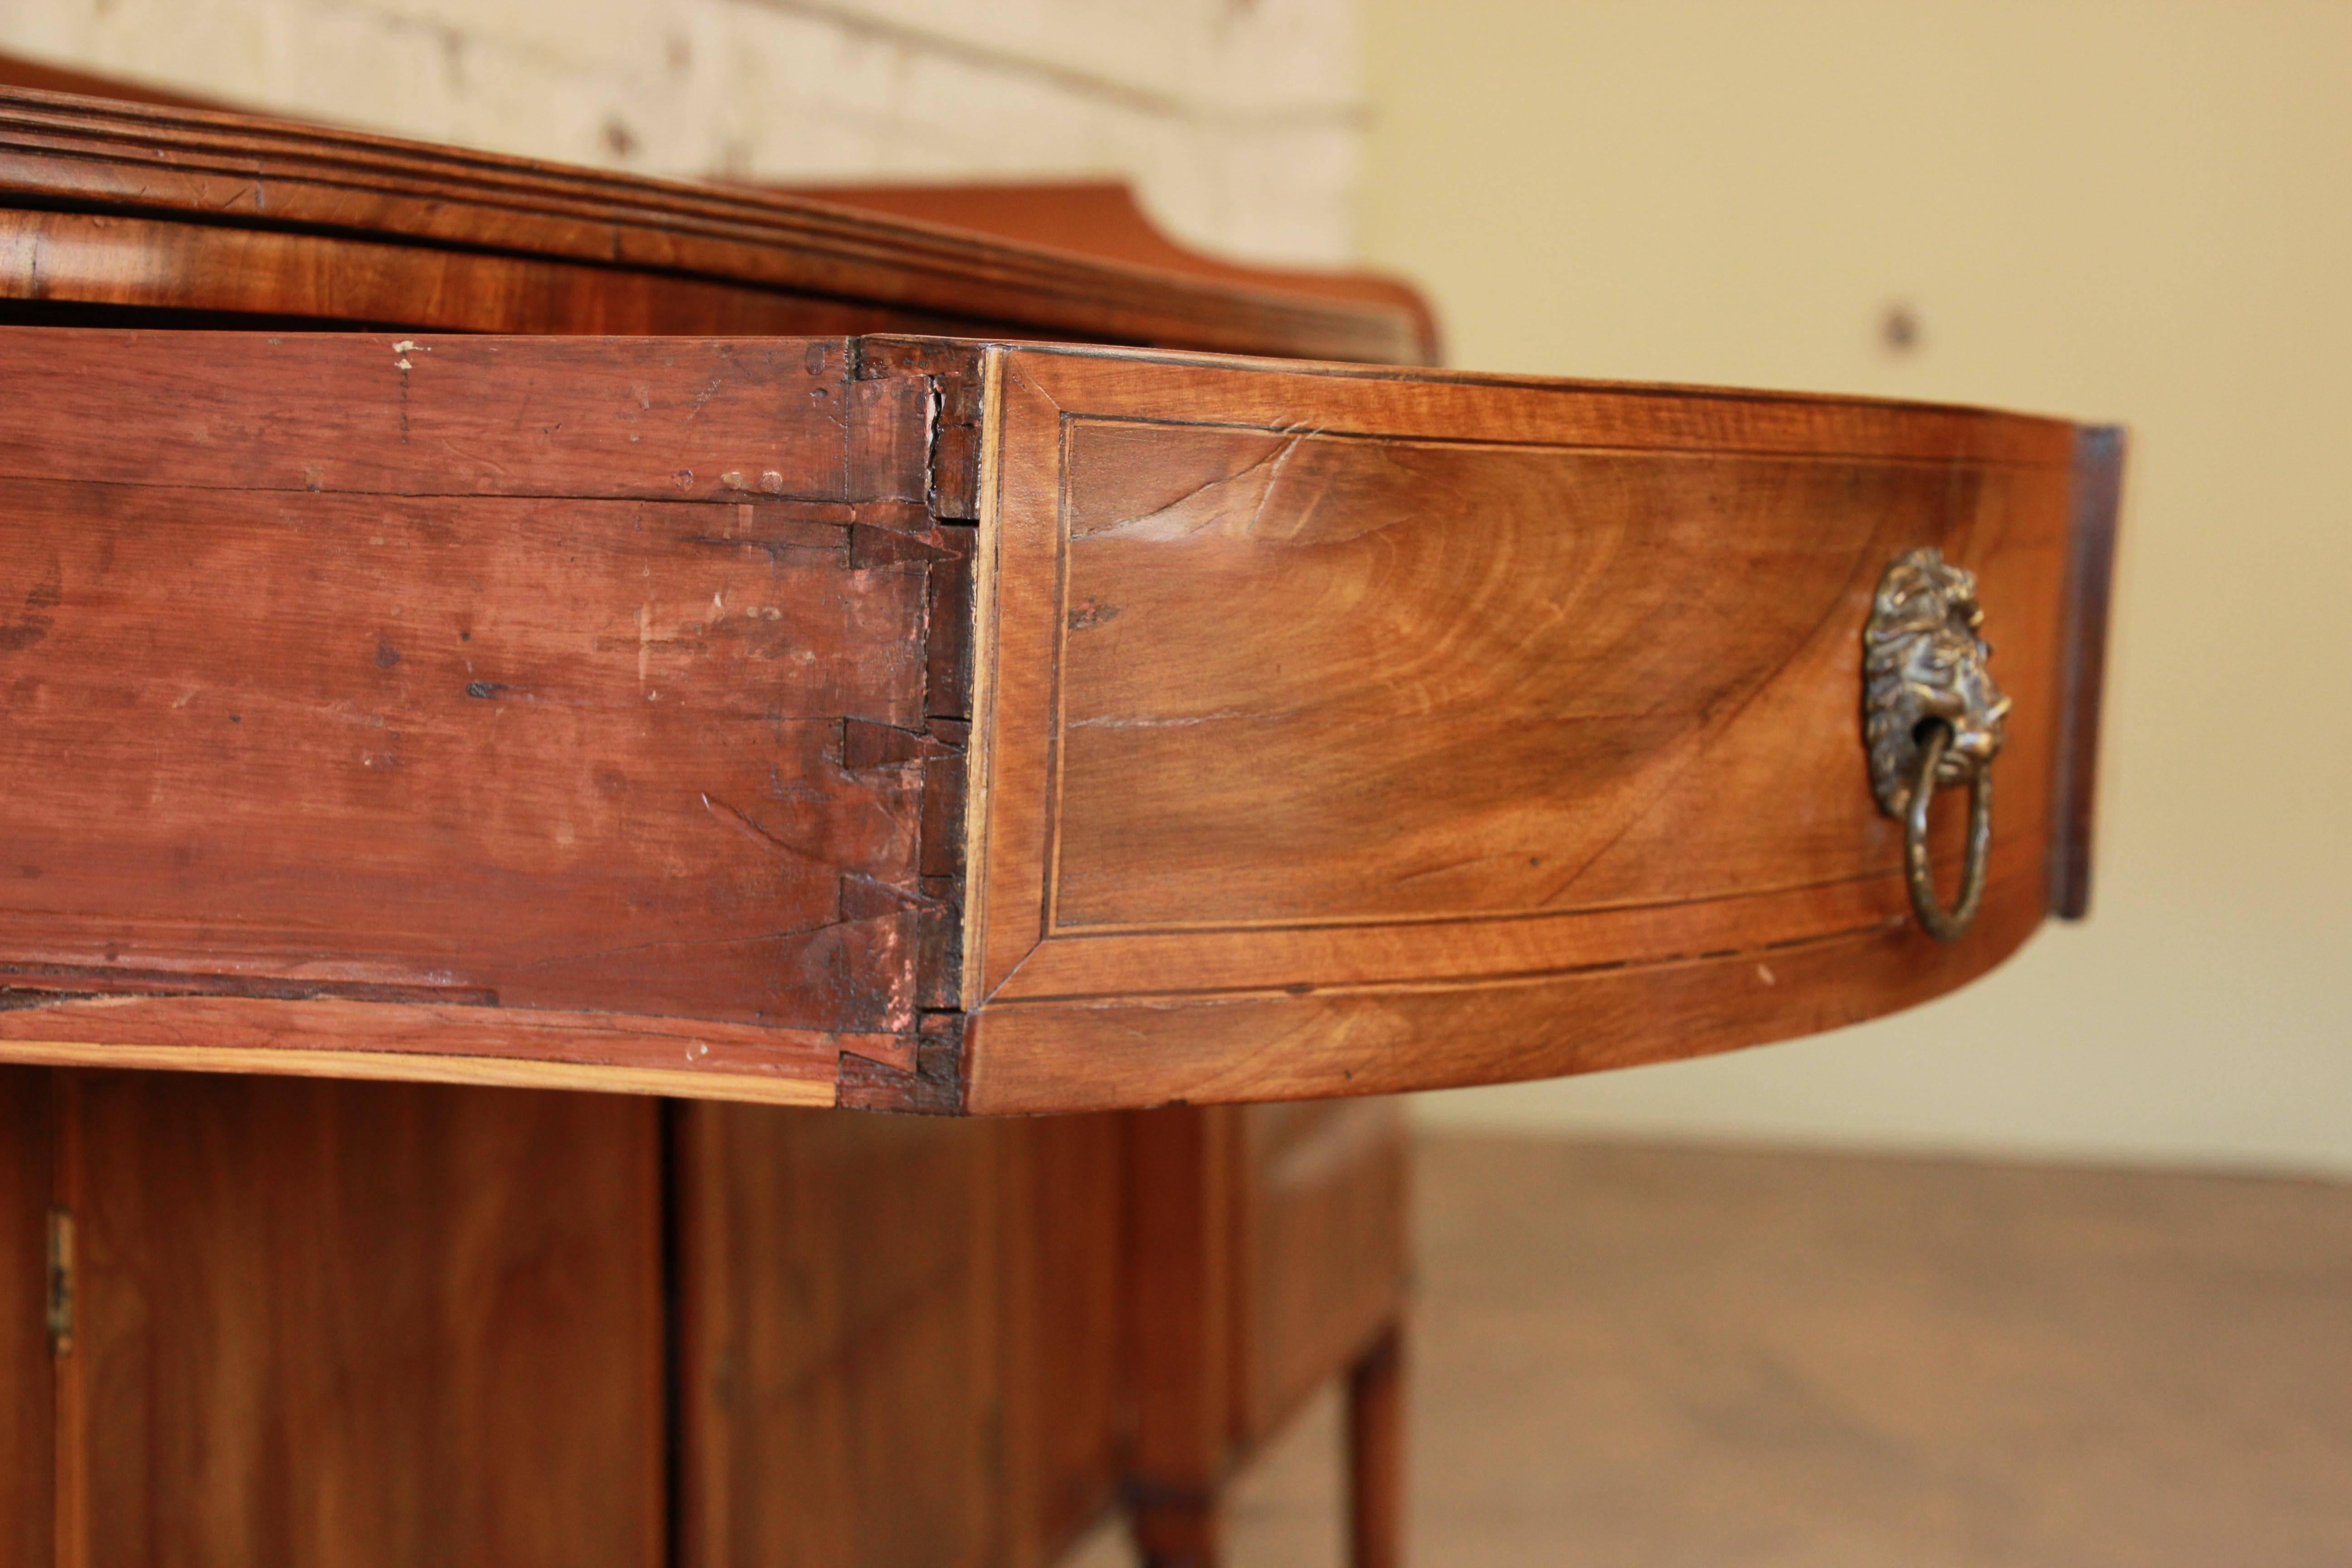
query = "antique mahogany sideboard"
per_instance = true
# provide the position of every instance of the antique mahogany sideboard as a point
(517, 629)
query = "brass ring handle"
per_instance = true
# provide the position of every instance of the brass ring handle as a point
(1931, 714)
(1946, 925)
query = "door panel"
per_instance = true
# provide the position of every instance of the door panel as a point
(365, 1324)
(836, 1379)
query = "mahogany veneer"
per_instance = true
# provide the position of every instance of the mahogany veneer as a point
(178, 208)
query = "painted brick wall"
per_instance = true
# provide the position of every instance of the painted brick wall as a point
(1239, 121)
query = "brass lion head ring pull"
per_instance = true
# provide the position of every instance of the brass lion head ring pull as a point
(1932, 718)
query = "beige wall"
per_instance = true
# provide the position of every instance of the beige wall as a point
(1240, 120)
(2139, 211)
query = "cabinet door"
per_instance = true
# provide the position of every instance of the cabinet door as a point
(359, 1324)
(899, 1338)
(838, 1396)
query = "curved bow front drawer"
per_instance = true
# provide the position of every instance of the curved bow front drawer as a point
(953, 726)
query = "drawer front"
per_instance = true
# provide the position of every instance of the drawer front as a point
(1348, 731)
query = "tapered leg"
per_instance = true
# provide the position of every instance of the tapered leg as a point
(1376, 1454)
(1179, 1321)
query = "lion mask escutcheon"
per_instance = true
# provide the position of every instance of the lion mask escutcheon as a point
(1923, 663)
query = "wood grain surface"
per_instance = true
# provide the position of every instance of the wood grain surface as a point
(27, 1382)
(1265, 1255)
(1178, 1282)
(1346, 732)
(438, 705)
(365, 1323)
(1103, 218)
(837, 1376)
(1065, 1420)
(74, 268)
(378, 687)
(233, 212)
(899, 1339)
(1319, 1247)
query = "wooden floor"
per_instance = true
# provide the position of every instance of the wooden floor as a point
(1656, 1356)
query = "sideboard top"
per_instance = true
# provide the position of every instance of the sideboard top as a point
(63, 153)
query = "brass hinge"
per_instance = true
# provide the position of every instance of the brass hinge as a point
(62, 1283)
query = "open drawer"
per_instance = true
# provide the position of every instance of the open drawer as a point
(961, 727)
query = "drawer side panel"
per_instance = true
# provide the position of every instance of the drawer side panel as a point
(512, 699)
